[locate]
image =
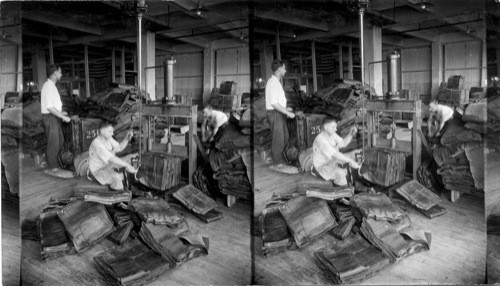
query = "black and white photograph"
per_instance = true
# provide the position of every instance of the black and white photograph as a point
(238, 142)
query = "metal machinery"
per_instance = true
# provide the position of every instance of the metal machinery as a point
(391, 103)
(167, 109)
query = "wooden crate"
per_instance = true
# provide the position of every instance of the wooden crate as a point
(306, 128)
(453, 97)
(384, 167)
(160, 171)
(83, 132)
(225, 102)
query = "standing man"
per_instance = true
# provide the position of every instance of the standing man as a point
(53, 116)
(277, 112)
(326, 155)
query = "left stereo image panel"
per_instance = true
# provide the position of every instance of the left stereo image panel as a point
(124, 121)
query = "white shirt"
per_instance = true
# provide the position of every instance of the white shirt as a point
(50, 97)
(443, 113)
(274, 93)
(324, 147)
(100, 152)
(217, 119)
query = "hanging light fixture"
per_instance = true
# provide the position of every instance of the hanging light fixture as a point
(200, 9)
(426, 4)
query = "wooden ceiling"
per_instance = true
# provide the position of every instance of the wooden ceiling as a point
(403, 22)
(106, 24)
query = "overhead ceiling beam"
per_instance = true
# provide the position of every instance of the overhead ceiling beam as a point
(260, 30)
(109, 35)
(236, 34)
(56, 37)
(62, 21)
(284, 17)
(192, 40)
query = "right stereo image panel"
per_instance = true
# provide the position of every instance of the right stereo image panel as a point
(376, 142)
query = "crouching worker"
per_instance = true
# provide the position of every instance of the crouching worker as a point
(439, 114)
(327, 158)
(215, 120)
(103, 161)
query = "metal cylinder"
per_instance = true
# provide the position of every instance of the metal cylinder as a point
(168, 70)
(393, 74)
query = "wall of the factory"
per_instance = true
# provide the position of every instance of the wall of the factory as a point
(233, 64)
(463, 58)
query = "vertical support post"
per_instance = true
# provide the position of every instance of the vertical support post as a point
(87, 73)
(208, 73)
(484, 65)
(51, 49)
(350, 73)
(192, 155)
(139, 52)
(341, 62)
(19, 68)
(416, 140)
(73, 73)
(315, 75)
(113, 65)
(39, 65)
(278, 48)
(148, 60)
(266, 58)
(437, 67)
(122, 66)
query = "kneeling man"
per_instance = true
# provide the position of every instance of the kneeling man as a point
(327, 158)
(103, 161)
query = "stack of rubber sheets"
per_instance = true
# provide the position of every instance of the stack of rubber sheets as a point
(54, 240)
(94, 192)
(154, 210)
(131, 264)
(461, 167)
(276, 236)
(384, 167)
(340, 210)
(316, 187)
(307, 218)
(376, 206)
(175, 245)
(350, 261)
(198, 202)
(86, 223)
(343, 228)
(123, 222)
(456, 134)
(393, 242)
(421, 198)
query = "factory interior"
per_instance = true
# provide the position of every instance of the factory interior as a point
(209, 181)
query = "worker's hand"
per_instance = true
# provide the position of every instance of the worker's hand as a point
(131, 169)
(289, 109)
(353, 131)
(66, 118)
(354, 165)
(129, 135)
(64, 113)
(291, 115)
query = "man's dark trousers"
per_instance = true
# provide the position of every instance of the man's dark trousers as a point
(55, 139)
(279, 129)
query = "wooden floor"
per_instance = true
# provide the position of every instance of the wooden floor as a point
(456, 256)
(228, 261)
(11, 243)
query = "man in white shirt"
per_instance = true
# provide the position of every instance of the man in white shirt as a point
(102, 158)
(326, 155)
(439, 114)
(277, 111)
(215, 120)
(52, 116)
